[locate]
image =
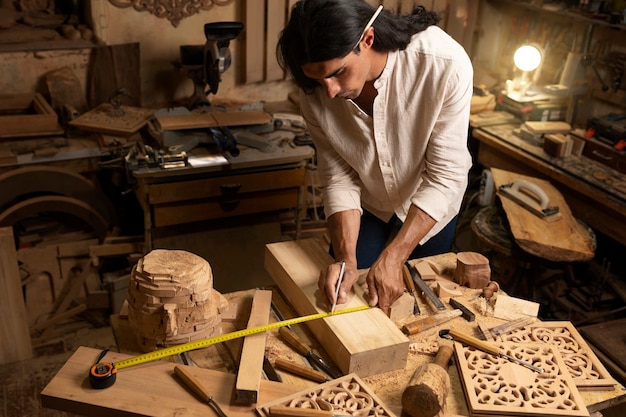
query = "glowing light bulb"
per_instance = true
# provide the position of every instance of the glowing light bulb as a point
(527, 58)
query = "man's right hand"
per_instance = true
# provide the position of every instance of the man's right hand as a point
(329, 277)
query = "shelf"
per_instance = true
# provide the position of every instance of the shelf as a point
(570, 13)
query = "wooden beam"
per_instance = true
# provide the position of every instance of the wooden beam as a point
(16, 344)
(276, 20)
(254, 41)
(364, 342)
(253, 350)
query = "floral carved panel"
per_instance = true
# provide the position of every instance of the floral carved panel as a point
(172, 10)
(583, 365)
(497, 386)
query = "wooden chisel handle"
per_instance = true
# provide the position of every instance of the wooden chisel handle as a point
(474, 342)
(193, 383)
(294, 341)
(285, 411)
(300, 370)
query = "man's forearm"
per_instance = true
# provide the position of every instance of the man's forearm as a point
(416, 225)
(344, 232)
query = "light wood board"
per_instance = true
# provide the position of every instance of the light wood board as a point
(364, 342)
(146, 390)
(253, 350)
(564, 240)
(104, 119)
(16, 344)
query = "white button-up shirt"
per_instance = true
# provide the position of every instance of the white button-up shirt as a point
(414, 148)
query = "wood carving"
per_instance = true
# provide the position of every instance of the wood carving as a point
(472, 270)
(346, 395)
(584, 366)
(497, 386)
(105, 118)
(171, 299)
(172, 11)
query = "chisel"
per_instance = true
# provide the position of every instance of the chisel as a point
(286, 411)
(426, 323)
(300, 370)
(314, 359)
(198, 388)
(486, 347)
(428, 292)
(410, 285)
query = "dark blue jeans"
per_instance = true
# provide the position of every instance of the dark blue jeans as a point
(375, 234)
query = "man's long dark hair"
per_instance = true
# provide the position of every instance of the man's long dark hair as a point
(321, 30)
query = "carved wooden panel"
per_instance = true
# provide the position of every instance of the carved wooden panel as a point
(497, 386)
(346, 395)
(583, 365)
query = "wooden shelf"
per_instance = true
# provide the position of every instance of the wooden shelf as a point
(570, 13)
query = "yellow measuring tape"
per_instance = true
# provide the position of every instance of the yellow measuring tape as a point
(102, 374)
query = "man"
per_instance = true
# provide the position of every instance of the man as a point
(386, 99)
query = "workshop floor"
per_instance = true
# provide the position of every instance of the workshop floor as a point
(236, 252)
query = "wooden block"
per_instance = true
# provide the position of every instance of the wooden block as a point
(425, 271)
(364, 342)
(512, 308)
(402, 308)
(472, 270)
(548, 127)
(16, 343)
(253, 351)
(105, 119)
(146, 390)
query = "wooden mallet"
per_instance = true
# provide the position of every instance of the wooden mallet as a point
(426, 393)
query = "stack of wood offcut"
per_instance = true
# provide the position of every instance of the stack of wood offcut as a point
(171, 300)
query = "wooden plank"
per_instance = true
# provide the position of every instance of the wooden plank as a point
(276, 19)
(14, 323)
(254, 41)
(366, 350)
(146, 390)
(253, 351)
(564, 240)
(213, 119)
(114, 67)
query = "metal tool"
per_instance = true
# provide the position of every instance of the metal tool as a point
(428, 292)
(269, 370)
(485, 347)
(305, 350)
(286, 411)
(530, 196)
(410, 285)
(426, 323)
(511, 325)
(467, 313)
(204, 394)
(103, 374)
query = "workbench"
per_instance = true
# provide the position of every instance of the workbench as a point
(595, 192)
(159, 393)
(219, 187)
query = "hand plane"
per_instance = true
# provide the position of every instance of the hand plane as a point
(530, 196)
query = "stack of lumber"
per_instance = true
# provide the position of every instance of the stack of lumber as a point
(171, 300)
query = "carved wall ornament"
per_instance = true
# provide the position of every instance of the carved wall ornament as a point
(583, 365)
(346, 395)
(174, 11)
(498, 386)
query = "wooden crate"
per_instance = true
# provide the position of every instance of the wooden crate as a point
(26, 114)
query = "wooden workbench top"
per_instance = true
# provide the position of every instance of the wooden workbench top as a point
(153, 382)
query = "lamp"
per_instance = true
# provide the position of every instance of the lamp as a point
(527, 58)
